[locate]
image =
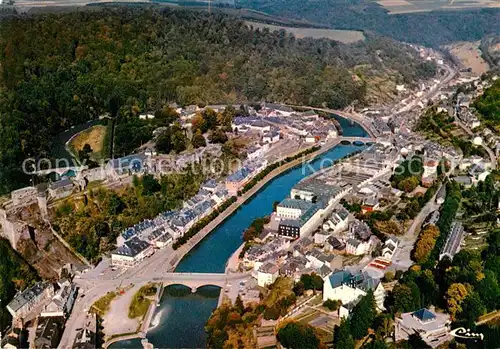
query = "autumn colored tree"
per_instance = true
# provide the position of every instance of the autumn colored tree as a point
(455, 296)
(425, 244)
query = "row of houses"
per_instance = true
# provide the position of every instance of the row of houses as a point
(140, 241)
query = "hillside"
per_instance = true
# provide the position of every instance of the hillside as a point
(428, 28)
(15, 274)
(59, 70)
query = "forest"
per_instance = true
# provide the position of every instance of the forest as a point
(429, 28)
(488, 104)
(124, 61)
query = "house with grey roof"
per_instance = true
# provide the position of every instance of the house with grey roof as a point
(62, 302)
(60, 189)
(349, 288)
(29, 299)
(131, 253)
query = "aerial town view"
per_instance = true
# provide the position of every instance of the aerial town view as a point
(249, 174)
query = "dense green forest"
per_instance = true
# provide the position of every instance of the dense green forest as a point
(59, 70)
(428, 28)
(489, 103)
(15, 274)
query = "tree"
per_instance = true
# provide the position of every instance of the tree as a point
(272, 313)
(383, 326)
(472, 309)
(342, 337)
(405, 297)
(198, 140)
(363, 315)
(454, 297)
(238, 305)
(389, 276)
(332, 305)
(297, 336)
(226, 117)
(376, 344)
(489, 290)
(217, 136)
(312, 281)
(416, 342)
(149, 184)
(164, 142)
(299, 288)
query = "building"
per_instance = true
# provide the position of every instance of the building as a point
(61, 189)
(267, 274)
(357, 247)
(271, 137)
(349, 288)
(29, 299)
(337, 221)
(310, 138)
(390, 246)
(292, 208)
(24, 196)
(48, 332)
(62, 302)
(236, 181)
(441, 195)
(131, 253)
(86, 336)
(126, 165)
(433, 328)
(453, 241)
(289, 228)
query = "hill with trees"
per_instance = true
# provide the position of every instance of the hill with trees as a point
(15, 274)
(61, 70)
(428, 28)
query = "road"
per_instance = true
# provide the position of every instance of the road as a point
(402, 259)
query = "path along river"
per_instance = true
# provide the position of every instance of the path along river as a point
(180, 319)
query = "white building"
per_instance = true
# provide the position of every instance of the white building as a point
(390, 246)
(24, 302)
(433, 328)
(62, 302)
(267, 274)
(271, 137)
(132, 252)
(292, 208)
(357, 247)
(349, 288)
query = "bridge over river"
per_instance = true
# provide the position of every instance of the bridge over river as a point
(191, 280)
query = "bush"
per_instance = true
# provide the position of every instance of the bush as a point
(332, 305)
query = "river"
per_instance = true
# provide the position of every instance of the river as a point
(180, 319)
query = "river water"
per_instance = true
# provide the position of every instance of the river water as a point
(180, 319)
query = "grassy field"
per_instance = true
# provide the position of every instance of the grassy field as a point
(141, 301)
(93, 136)
(345, 36)
(101, 307)
(408, 6)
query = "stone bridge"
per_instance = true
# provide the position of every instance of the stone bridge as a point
(357, 140)
(191, 280)
(196, 280)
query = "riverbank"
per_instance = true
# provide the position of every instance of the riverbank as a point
(184, 249)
